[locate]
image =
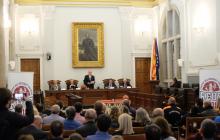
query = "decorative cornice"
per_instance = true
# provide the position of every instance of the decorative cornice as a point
(91, 3)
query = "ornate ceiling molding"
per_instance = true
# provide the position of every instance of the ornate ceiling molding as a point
(91, 3)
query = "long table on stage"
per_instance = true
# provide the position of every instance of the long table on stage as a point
(88, 96)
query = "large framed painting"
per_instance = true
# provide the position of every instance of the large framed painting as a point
(88, 45)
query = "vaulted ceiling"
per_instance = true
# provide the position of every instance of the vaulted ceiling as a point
(138, 3)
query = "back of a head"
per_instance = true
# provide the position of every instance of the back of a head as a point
(125, 97)
(98, 107)
(39, 107)
(75, 136)
(171, 101)
(55, 109)
(18, 108)
(125, 124)
(164, 126)
(126, 102)
(38, 121)
(158, 112)
(207, 104)
(70, 112)
(208, 128)
(125, 109)
(152, 132)
(142, 115)
(103, 122)
(60, 103)
(78, 106)
(5, 96)
(56, 128)
(90, 115)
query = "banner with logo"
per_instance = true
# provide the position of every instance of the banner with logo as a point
(209, 85)
(21, 86)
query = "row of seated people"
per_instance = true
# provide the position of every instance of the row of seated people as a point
(73, 84)
(123, 119)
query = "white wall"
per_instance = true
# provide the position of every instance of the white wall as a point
(121, 44)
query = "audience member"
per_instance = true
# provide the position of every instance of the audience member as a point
(208, 109)
(11, 122)
(75, 136)
(18, 108)
(89, 127)
(207, 131)
(172, 113)
(62, 108)
(142, 117)
(40, 109)
(175, 83)
(125, 124)
(198, 108)
(56, 130)
(117, 137)
(70, 123)
(99, 108)
(26, 137)
(166, 133)
(152, 132)
(132, 111)
(114, 114)
(157, 112)
(125, 97)
(55, 110)
(79, 117)
(34, 129)
(103, 124)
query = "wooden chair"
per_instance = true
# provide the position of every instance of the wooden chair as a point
(121, 82)
(54, 84)
(138, 130)
(134, 137)
(193, 124)
(71, 82)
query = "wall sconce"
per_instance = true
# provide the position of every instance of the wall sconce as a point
(29, 25)
(12, 65)
(142, 24)
(180, 62)
(201, 18)
(48, 56)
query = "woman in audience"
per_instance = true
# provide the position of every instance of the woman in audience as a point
(142, 117)
(11, 122)
(166, 133)
(70, 123)
(125, 123)
(114, 117)
(99, 108)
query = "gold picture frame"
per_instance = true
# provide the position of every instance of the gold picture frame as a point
(87, 45)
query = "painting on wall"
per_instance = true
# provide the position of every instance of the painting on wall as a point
(87, 45)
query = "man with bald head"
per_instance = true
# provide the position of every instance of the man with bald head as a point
(34, 129)
(55, 110)
(89, 80)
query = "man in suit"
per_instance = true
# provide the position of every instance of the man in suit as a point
(125, 84)
(89, 80)
(34, 129)
(111, 84)
(89, 127)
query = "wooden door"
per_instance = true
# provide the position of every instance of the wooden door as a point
(142, 74)
(32, 65)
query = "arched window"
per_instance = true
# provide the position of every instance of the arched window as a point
(170, 49)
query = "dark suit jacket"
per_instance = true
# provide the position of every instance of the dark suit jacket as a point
(108, 86)
(122, 85)
(35, 132)
(87, 81)
(89, 128)
(11, 122)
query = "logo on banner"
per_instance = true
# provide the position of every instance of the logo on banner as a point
(20, 92)
(210, 90)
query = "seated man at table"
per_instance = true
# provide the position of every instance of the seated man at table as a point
(125, 84)
(111, 84)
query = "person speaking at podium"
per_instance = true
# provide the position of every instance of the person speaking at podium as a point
(89, 80)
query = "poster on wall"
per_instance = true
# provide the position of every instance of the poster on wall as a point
(210, 85)
(21, 86)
